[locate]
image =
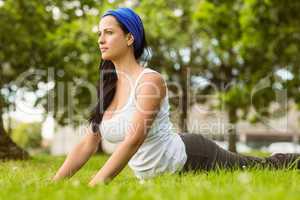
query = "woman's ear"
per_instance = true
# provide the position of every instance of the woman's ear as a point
(130, 39)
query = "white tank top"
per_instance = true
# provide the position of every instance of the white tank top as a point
(162, 151)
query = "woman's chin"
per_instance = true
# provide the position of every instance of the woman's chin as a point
(105, 57)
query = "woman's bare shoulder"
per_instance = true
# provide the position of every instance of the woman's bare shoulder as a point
(152, 83)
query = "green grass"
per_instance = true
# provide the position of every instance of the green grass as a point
(30, 180)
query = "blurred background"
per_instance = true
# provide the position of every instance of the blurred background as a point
(231, 66)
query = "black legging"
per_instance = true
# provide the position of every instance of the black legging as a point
(204, 154)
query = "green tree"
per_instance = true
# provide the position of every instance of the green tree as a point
(22, 47)
(250, 41)
(45, 42)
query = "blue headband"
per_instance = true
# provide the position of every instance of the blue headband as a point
(131, 21)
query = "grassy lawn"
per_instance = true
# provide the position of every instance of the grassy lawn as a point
(30, 180)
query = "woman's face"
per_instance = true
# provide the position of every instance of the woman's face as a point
(112, 40)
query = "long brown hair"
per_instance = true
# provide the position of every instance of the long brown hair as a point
(106, 87)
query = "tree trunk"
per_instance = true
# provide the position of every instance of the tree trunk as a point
(9, 124)
(232, 139)
(185, 101)
(9, 149)
(232, 133)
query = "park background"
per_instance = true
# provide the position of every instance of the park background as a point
(232, 68)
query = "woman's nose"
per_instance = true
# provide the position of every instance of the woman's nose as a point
(100, 40)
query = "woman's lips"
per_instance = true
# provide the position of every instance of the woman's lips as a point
(103, 49)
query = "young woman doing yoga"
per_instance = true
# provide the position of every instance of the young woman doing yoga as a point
(133, 110)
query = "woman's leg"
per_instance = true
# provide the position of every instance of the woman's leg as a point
(284, 160)
(204, 154)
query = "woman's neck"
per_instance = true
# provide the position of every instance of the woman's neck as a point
(126, 67)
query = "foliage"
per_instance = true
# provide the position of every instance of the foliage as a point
(27, 135)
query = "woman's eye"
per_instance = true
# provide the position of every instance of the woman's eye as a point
(109, 32)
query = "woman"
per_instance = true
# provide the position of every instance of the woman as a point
(133, 109)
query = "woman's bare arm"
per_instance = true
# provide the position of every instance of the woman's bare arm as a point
(79, 155)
